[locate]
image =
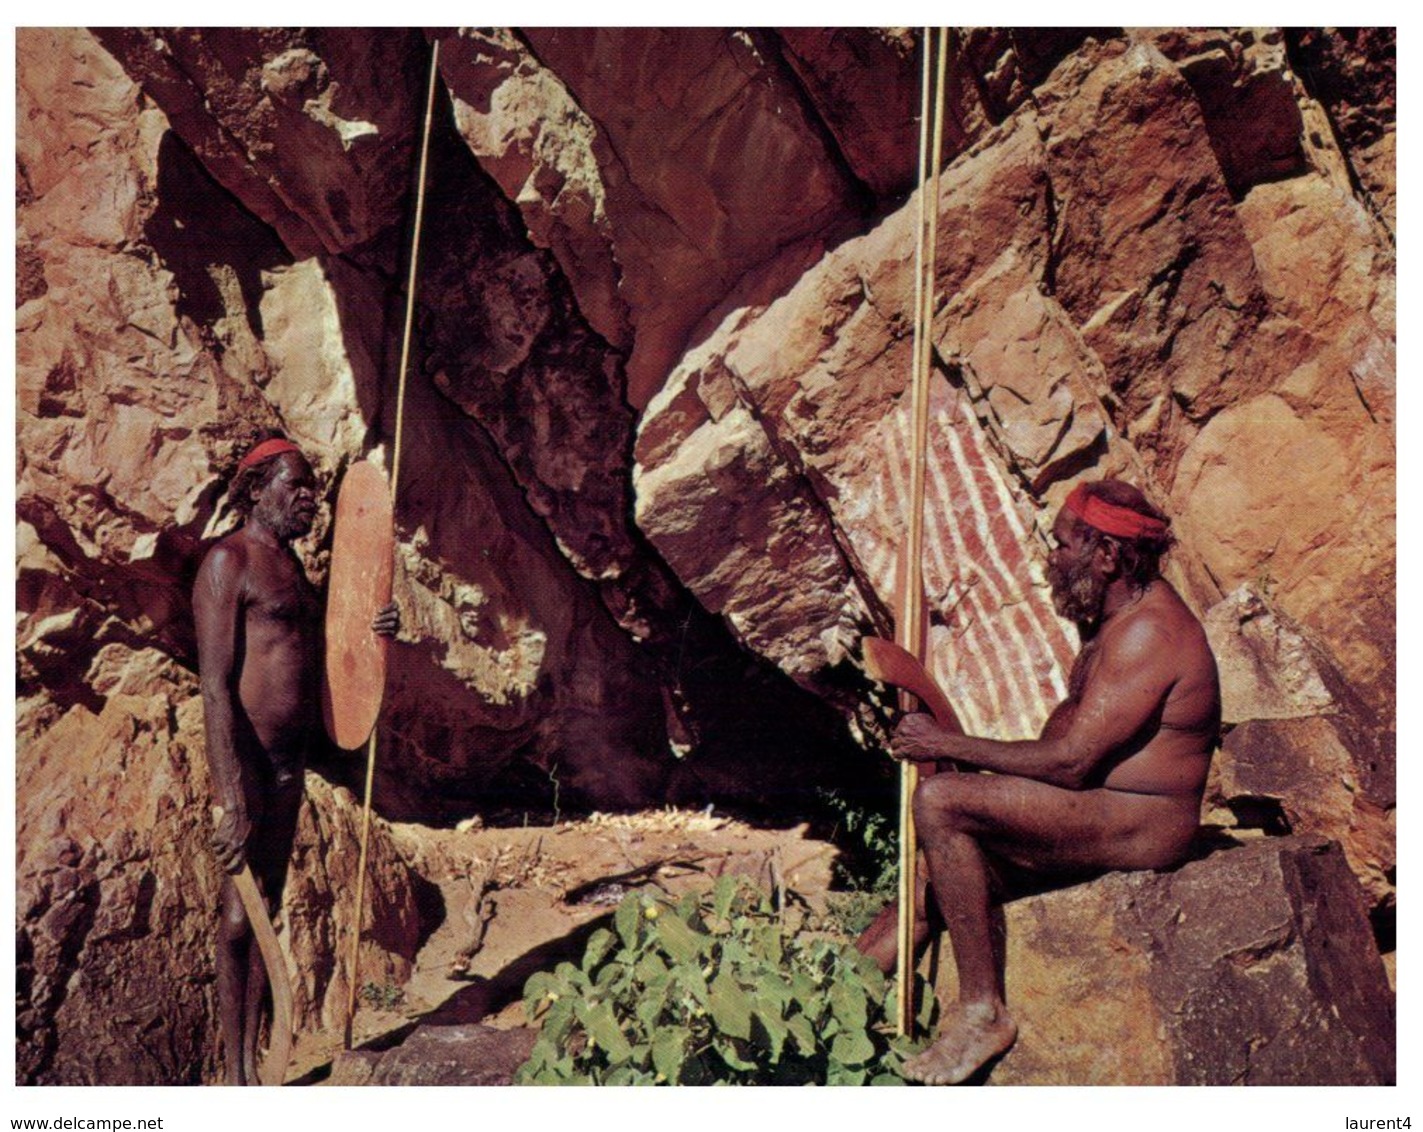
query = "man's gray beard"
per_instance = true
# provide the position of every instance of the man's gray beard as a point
(286, 525)
(1077, 593)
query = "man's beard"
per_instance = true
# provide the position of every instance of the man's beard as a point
(1078, 593)
(287, 525)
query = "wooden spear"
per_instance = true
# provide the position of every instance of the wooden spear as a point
(394, 482)
(910, 624)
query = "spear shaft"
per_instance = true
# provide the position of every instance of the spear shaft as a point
(910, 622)
(354, 980)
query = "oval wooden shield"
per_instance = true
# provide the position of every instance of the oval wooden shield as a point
(362, 563)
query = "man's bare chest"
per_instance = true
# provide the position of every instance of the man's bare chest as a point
(280, 598)
(1082, 669)
(1060, 721)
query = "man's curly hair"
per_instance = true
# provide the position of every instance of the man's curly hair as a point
(1140, 557)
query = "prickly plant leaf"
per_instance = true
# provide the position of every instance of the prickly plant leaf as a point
(848, 1003)
(602, 1027)
(851, 1048)
(774, 1029)
(669, 1051)
(626, 918)
(728, 1050)
(803, 1032)
(726, 887)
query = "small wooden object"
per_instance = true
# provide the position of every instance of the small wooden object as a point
(890, 664)
(279, 1050)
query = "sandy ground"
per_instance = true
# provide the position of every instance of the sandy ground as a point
(517, 899)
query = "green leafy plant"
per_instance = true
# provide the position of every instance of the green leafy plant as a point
(850, 913)
(385, 996)
(713, 989)
(869, 867)
(873, 833)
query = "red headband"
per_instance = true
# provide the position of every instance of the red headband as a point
(1112, 519)
(265, 451)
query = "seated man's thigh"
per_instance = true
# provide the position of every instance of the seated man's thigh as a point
(1037, 826)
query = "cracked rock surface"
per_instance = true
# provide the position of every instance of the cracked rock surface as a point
(655, 445)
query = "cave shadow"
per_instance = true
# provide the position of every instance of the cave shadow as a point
(199, 227)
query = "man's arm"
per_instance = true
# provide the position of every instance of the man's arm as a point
(1126, 688)
(217, 604)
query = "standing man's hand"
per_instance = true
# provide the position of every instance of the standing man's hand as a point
(387, 621)
(229, 840)
(918, 739)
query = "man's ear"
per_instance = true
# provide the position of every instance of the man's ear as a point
(1109, 557)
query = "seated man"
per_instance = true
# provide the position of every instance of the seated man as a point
(1113, 782)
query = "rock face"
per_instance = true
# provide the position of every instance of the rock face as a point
(633, 221)
(655, 438)
(116, 897)
(1303, 753)
(1255, 966)
(116, 891)
(469, 1054)
(698, 159)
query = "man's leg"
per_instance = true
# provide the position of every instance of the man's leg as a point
(234, 942)
(965, 817)
(977, 1028)
(271, 848)
(255, 989)
(880, 941)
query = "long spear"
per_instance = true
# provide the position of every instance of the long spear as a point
(910, 621)
(394, 482)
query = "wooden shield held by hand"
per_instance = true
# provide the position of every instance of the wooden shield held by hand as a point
(362, 563)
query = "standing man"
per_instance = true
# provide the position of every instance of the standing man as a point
(259, 663)
(1113, 782)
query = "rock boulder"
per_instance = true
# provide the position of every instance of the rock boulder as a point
(1303, 753)
(116, 891)
(1254, 966)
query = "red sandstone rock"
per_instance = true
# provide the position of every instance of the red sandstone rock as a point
(140, 376)
(458, 1054)
(865, 85)
(314, 128)
(1130, 283)
(1304, 752)
(1353, 73)
(1149, 258)
(116, 890)
(1105, 217)
(530, 134)
(1255, 966)
(1248, 99)
(707, 166)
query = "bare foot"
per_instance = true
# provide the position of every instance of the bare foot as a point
(969, 1037)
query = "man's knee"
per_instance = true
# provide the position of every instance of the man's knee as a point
(232, 923)
(940, 802)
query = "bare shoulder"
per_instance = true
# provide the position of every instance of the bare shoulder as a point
(1178, 620)
(1161, 629)
(226, 560)
(1178, 640)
